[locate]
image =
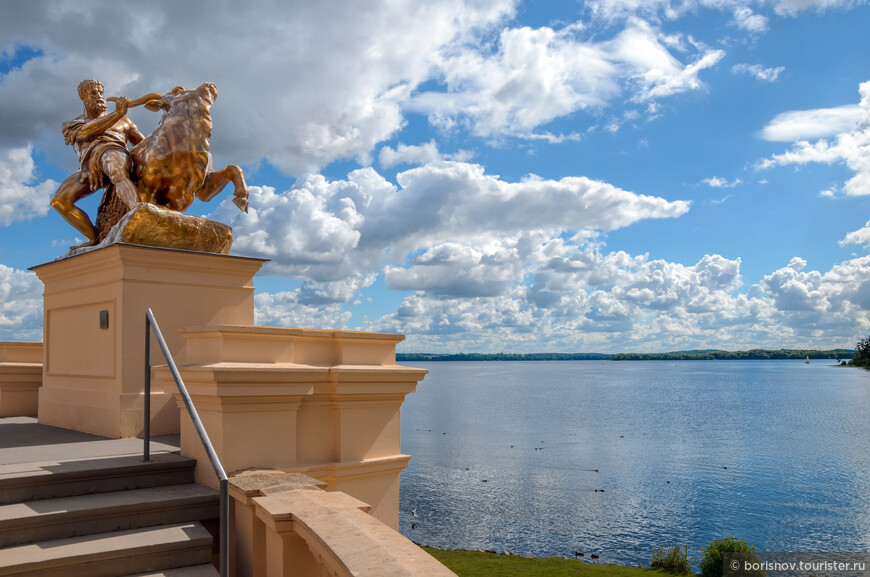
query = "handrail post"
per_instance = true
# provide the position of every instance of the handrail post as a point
(225, 527)
(147, 427)
(152, 326)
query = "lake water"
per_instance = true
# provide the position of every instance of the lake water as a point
(505, 456)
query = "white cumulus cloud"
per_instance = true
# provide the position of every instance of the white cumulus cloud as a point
(759, 71)
(818, 123)
(300, 84)
(793, 7)
(719, 182)
(582, 299)
(540, 74)
(860, 236)
(416, 154)
(812, 303)
(285, 309)
(850, 146)
(674, 9)
(20, 305)
(748, 20)
(448, 227)
(325, 81)
(22, 197)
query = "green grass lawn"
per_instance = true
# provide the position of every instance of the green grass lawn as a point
(476, 564)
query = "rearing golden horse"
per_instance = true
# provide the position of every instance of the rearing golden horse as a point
(173, 165)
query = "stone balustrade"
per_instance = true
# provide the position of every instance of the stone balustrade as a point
(285, 524)
(320, 402)
(20, 378)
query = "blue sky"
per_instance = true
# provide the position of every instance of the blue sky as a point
(490, 175)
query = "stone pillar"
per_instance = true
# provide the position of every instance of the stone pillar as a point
(249, 540)
(249, 416)
(314, 533)
(358, 409)
(94, 329)
(20, 378)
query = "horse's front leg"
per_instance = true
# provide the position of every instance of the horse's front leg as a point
(216, 181)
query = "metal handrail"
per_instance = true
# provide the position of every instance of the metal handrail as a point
(152, 326)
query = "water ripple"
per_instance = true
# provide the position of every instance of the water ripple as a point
(617, 458)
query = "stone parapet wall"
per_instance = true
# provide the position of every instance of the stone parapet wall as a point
(285, 524)
(324, 403)
(20, 378)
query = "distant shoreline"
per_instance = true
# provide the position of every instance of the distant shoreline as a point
(705, 355)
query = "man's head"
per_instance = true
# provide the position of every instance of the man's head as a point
(91, 93)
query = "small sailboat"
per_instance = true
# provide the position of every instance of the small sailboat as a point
(808, 360)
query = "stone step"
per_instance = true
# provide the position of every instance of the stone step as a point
(99, 513)
(114, 554)
(30, 481)
(207, 570)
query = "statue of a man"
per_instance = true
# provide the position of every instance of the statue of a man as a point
(100, 138)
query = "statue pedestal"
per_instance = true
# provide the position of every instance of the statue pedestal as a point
(94, 329)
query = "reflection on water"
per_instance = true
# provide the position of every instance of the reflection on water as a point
(615, 458)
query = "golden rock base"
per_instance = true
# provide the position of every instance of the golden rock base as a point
(150, 225)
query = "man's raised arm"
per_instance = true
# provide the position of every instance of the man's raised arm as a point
(100, 125)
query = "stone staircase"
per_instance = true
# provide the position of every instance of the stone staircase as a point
(106, 517)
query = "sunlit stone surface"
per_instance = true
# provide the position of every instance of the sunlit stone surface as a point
(153, 226)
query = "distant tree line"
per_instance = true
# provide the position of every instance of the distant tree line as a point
(752, 354)
(502, 357)
(706, 355)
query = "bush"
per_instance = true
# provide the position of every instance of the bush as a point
(862, 353)
(713, 554)
(675, 559)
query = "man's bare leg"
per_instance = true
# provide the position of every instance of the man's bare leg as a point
(68, 193)
(116, 165)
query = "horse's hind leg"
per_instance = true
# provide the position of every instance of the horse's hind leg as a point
(215, 182)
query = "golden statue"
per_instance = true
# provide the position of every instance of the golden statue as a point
(168, 169)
